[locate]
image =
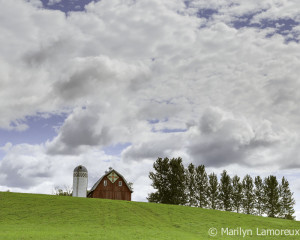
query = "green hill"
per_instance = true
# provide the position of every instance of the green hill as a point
(33, 216)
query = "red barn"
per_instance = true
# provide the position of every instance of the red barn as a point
(112, 185)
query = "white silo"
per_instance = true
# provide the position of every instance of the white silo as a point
(80, 181)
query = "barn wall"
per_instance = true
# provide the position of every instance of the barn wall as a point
(112, 190)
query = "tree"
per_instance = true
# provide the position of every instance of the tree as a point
(169, 179)
(259, 196)
(286, 201)
(201, 186)
(63, 191)
(225, 189)
(155, 197)
(271, 192)
(159, 181)
(237, 195)
(177, 178)
(213, 191)
(248, 195)
(191, 185)
(130, 185)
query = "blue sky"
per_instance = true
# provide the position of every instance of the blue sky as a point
(66, 5)
(121, 82)
(39, 130)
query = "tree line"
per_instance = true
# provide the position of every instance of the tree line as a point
(192, 186)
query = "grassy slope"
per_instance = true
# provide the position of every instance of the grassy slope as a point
(32, 216)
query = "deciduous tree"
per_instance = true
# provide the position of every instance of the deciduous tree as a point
(191, 185)
(237, 194)
(160, 181)
(259, 196)
(201, 186)
(271, 192)
(213, 191)
(225, 189)
(248, 195)
(286, 201)
(169, 180)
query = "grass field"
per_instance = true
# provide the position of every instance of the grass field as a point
(33, 216)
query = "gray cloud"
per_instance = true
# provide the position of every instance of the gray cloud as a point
(157, 146)
(79, 130)
(90, 77)
(120, 64)
(22, 168)
(159, 71)
(224, 139)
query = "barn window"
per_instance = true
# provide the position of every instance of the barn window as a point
(120, 183)
(105, 183)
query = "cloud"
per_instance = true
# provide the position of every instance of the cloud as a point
(135, 71)
(165, 66)
(224, 139)
(6, 147)
(153, 146)
(36, 3)
(21, 168)
(52, 2)
(221, 139)
(28, 168)
(77, 131)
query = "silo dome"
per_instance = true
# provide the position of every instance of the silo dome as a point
(80, 168)
(80, 181)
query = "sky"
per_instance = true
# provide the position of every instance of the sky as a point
(119, 83)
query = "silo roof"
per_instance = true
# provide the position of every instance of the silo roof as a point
(80, 168)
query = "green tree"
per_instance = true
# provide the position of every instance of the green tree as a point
(259, 196)
(271, 192)
(177, 178)
(248, 195)
(160, 181)
(169, 180)
(237, 194)
(213, 191)
(191, 185)
(286, 201)
(201, 186)
(225, 189)
(155, 197)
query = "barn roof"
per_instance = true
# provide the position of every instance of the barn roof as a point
(120, 175)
